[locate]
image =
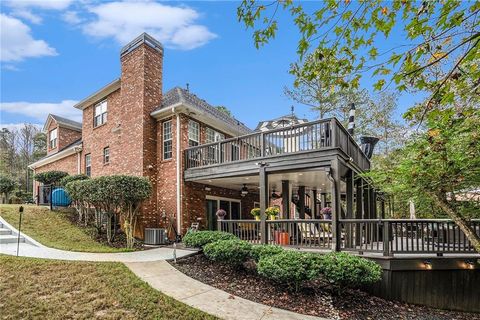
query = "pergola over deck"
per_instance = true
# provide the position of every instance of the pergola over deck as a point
(319, 163)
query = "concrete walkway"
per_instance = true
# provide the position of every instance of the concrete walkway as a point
(165, 278)
(150, 266)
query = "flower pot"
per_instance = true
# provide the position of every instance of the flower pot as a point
(273, 217)
(257, 218)
(283, 238)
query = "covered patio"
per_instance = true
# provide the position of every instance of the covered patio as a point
(302, 169)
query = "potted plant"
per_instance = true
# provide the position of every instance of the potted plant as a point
(327, 213)
(221, 214)
(255, 212)
(272, 212)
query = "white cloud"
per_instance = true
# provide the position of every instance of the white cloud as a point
(18, 43)
(40, 111)
(174, 26)
(40, 4)
(72, 17)
(27, 15)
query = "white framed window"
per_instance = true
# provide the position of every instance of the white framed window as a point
(88, 165)
(167, 140)
(100, 113)
(53, 135)
(193, 133)
(213, 135)
(106, 155)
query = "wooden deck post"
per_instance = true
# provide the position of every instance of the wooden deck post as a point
(301, 202)
(349, 213)
(336, 210)
(314, 204)
(263, 202)
(286, 199)
(359, 209)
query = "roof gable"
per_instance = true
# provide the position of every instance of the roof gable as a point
(62, 122)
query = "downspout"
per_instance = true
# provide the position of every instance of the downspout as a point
(178, 164)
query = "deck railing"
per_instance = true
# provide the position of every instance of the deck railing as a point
(388, 236)
(315, 135)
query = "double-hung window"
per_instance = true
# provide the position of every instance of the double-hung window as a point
(167, 140)
(88, 165)
(106, 155)
(193, 133)
(100, 114)
(213, 136)
(53, 138)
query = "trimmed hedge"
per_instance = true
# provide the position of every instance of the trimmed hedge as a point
(198, 239)
(290, 267)
(264, 250)
(50, 177)
(344, 270)
(233, 252)
(65, 180)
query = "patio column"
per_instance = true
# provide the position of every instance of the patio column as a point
(350, 188)
(286, 199)
(301, 202)
(336, 211)
(314, 204)
(263, 202)
(359, 208)
(323, 198)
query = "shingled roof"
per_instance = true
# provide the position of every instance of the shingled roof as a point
(63, 122)
(179, 95)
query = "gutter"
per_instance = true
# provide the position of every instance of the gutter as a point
(57, 156)
(178, 165)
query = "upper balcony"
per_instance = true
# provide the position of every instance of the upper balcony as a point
(319, 137)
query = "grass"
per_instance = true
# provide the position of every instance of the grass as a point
(53, 289)
(54, 229)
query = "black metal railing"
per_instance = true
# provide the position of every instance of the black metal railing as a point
(315, 135)
(387, 236)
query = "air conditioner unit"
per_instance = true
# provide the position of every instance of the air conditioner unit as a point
(155, 236)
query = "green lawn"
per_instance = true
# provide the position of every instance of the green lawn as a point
(54, 229)
(53, 289)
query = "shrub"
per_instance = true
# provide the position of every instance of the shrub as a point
(344, 270)
(50, 177)
(7, 185)
(65, 180)
(198, 239)
(264, 250)
(233, 251)
(290, 267)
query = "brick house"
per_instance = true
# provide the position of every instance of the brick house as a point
(132, 127)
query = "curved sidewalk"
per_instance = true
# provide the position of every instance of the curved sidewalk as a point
(165, 278)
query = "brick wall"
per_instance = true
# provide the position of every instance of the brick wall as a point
(67, 136)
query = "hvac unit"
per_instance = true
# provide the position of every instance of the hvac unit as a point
(155, 236)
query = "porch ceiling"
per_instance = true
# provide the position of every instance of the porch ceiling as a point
(311, 179)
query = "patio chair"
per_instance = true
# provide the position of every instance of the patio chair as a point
(310, 232)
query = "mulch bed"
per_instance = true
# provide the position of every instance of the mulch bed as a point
(315, 298)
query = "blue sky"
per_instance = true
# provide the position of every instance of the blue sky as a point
(55, 53)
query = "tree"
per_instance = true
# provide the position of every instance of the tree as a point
(343, 38)
(441, 165)
(7, 185)
(224, 110)
(39, 146)
(50, 177)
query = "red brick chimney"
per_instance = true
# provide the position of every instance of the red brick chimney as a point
(141, 92)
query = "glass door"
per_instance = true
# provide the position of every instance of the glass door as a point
(212, 206)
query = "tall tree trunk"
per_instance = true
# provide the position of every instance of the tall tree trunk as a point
(459, 221)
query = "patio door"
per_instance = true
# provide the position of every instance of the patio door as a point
(231, 206)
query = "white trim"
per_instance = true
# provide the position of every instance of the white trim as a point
(199, 115)
(56, 156)
(178, 163)
(100, 94)
(61, 125)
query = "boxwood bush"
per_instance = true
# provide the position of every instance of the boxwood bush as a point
(264, 250)
(233, 251)
(290, 267)
(198, 239)
(344, 270)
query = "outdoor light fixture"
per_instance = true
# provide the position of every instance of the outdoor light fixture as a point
(244, 191)
(470, 264)
(274, 195)
(427, 264)
(208, 189)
